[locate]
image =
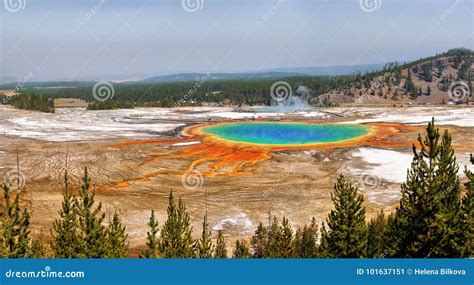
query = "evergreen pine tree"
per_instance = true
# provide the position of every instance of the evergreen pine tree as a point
(204, 246)
(221, 251)
(65, 232)
(305, 241)
(274, 233)
(116, 238)
(376, 236)
(468, 214)
(93, 232)
(347, 236)
(449, 237)
(36, 250)
(323, 248)
(416, 210)
(241, 250)
(153, 243)
(409, 85)
(176, 240)
(285, 240)
(428, 220)
(394, 235)
(14, 226)
(259, 242)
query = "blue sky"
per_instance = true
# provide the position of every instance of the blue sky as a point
(82, 39)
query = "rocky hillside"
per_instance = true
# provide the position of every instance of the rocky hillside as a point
(442, 79)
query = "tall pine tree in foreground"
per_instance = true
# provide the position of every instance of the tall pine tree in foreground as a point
(347, 235)
(204, 246)
(274, 242)
(376, 236)
(152, 239)
(93, 232)
(14, 226)
(259, 242)
(449, 233)
(221, 251)
(79, 230)
(305, 245)
(428, 221)
(468, 213)
(66, 240)
(176, 240)
(241, 250)
(37, 249)
(323, 248)
(116, 238)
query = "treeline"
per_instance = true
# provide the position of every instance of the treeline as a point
(225, 92)
(435, 218)
(110, 105)
(31, 101)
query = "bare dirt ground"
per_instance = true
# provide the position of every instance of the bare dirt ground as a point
(296, 183)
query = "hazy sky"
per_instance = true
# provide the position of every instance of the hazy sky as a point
(82, 39)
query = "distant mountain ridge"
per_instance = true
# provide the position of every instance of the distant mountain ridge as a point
(270, 73)
(273, 73)
(184, 77)
(331, 70)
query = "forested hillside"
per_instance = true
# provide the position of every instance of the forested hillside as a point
(442, 79)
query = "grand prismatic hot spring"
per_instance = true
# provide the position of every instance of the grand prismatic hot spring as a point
(285, 133)
(233, 148)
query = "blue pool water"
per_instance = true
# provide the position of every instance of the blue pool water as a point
(285, 133)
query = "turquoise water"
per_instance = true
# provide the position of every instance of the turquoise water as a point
(282, 133)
